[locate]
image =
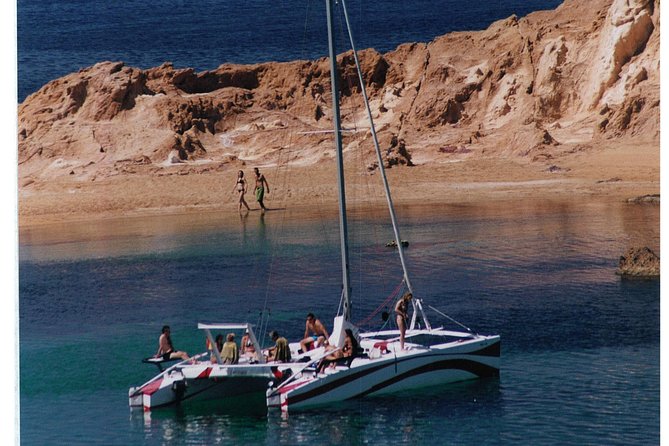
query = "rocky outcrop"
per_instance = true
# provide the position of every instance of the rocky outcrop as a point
(531, 87)
(645, 199)
(639, 262)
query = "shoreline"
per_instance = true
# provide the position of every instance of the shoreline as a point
(146, 195)
(529, 108)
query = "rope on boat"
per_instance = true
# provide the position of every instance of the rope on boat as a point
(263, 323)
(451, 319)
(392, 296)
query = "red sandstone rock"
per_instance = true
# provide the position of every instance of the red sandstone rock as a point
(551, 81)
(639, 262)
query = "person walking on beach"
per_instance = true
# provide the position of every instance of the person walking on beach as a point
(165, 347)
(401, 315)
(241, 187)
(261, 184)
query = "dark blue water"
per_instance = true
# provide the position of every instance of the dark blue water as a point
(580, 355)
(57, 37)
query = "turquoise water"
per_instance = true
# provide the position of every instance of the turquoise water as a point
(580, 346)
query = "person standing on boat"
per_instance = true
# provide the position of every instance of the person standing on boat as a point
(229, 352)
(314, 333)
(240, 187)
(401, 315)
(261, 185)
(281, 351)
(166, 349)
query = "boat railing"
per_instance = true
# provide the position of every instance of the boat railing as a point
(306, 365)
(413, 333)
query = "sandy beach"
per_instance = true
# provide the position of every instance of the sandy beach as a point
(560, 104)
(618, 173)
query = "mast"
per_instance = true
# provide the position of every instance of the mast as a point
(343, 226)
(417, 304)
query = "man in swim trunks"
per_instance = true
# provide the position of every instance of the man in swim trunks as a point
(165, 348)
(314, 333)
(261, 184)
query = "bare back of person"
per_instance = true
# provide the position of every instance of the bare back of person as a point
(166, 349)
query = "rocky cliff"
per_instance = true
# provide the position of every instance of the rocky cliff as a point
(551, 83)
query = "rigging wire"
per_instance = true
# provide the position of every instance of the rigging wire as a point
(451, 319)
(393, 295)
(352, 109)
(417, 304)
(280, 182)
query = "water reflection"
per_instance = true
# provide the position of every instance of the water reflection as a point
(204, 423)
(243, 219)
(404, 417)
(539, 274)
(579, 229)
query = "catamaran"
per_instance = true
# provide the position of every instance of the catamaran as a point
(432, 356)
(204, 377)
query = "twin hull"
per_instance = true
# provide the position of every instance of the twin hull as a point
(201, 382)
(420, 367)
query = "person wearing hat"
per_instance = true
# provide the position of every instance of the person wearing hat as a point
(280, 352)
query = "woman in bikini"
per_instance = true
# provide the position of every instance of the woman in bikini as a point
(248, 349)
(240, 186)
(402, 314)
(349, 349)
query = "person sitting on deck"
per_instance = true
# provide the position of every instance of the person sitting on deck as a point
(247, 347)
(346, 354)
(315, 334)
(166, 349)
(229, 352)
(281, 351)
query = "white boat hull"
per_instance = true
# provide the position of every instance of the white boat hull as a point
(389, 373)
(201, 382)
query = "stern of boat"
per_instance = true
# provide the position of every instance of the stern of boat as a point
(161, 391)
(273, 396)
(135, 398)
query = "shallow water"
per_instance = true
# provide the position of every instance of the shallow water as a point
(580, 346)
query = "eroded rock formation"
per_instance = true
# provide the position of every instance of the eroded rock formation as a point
(529, 87)
(639, 262)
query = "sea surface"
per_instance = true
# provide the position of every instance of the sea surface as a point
(580, 346)
(56, 38)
